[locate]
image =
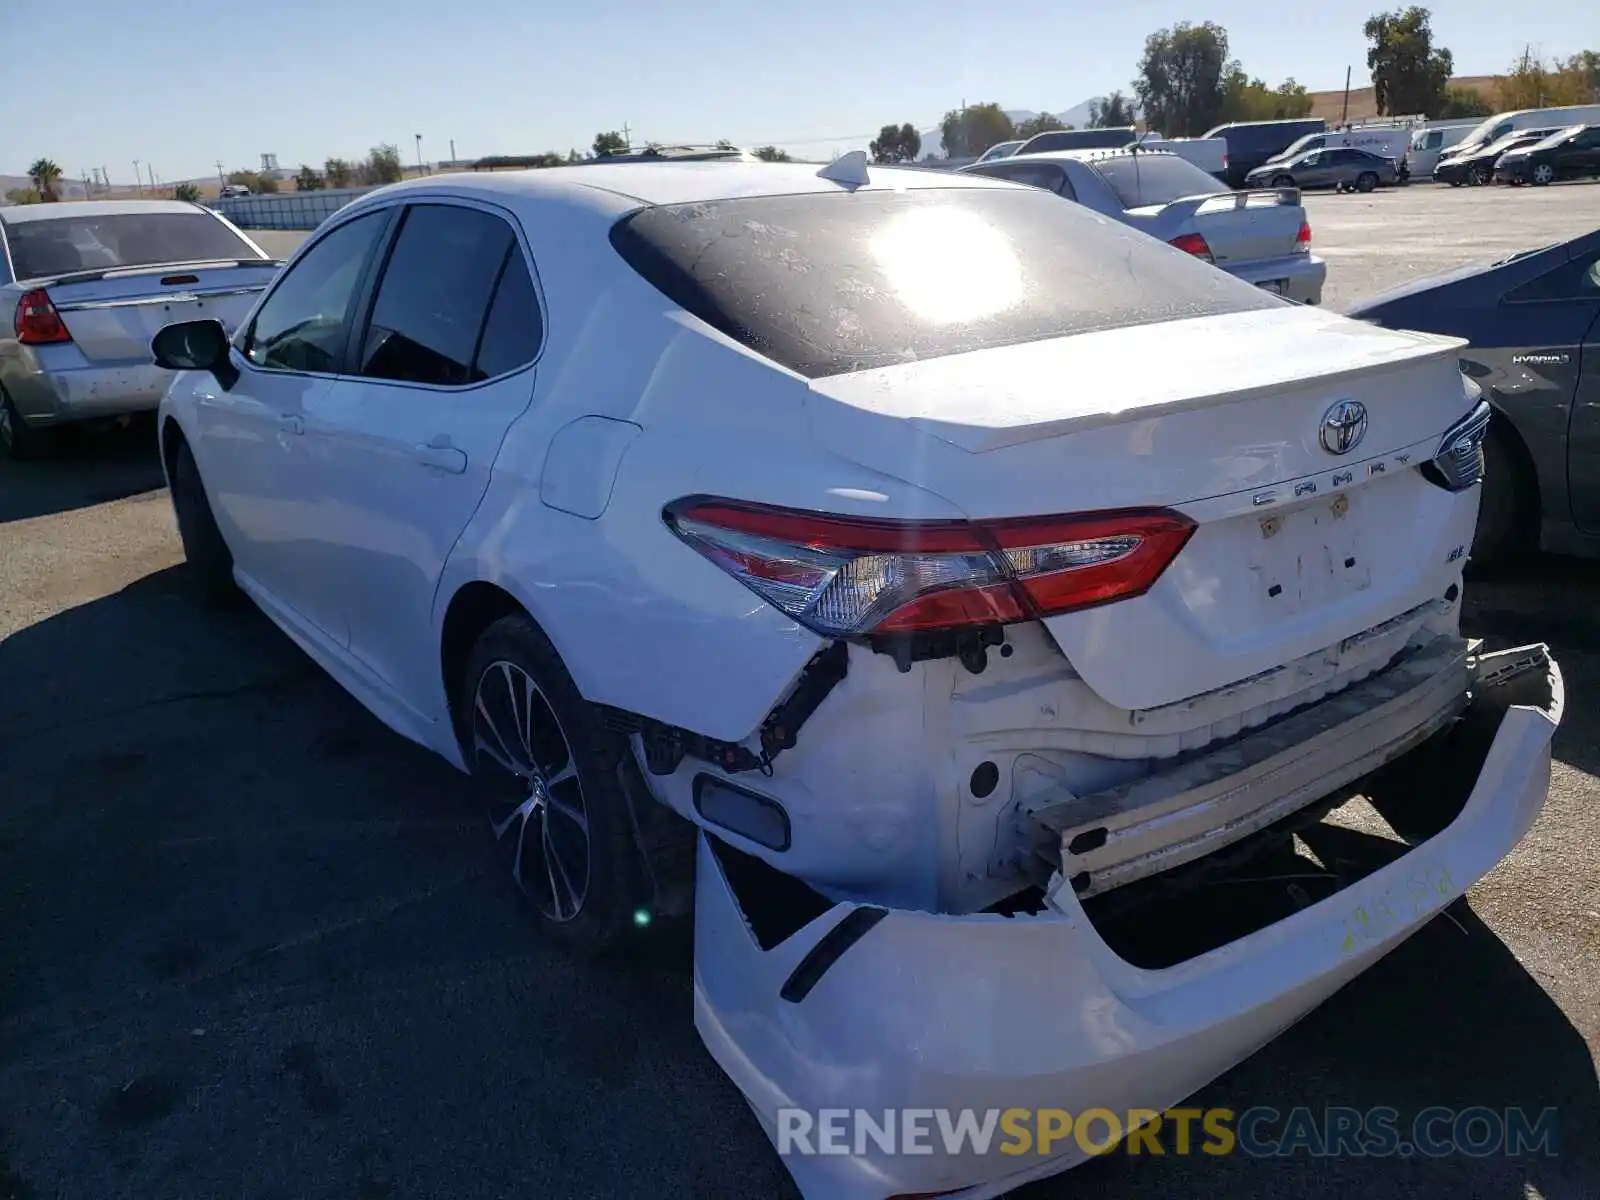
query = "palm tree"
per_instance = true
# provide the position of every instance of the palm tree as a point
(46, 175)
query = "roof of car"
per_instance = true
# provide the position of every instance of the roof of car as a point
(1087, 156)
(599, 185)
(23, 213)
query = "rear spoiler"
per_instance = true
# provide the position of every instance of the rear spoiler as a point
(150, 269)
(1189, 205)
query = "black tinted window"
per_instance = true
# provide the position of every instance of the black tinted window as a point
(834, 282)
(1078, 139)
(511, 334)
(1143, 179)
(60, 245)
(1040, 175)
(434, 295)
(1575, 280)
(304, 323)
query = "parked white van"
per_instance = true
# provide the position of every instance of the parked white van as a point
(1492, 129)
(1389, 142)
(1430, 141)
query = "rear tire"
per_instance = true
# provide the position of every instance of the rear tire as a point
(546, 771)
(18, 439)
(1503, 515)
(1366, 181)
(1282, 181)
(209, 559)
(1543, 175)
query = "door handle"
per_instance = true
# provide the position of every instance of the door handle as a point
(289, 423)
(441, 457)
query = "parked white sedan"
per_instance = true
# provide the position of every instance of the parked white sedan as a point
(847, 517)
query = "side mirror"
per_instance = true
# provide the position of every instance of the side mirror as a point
(196, 346)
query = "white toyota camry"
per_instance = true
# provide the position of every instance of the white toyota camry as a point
(919, 573)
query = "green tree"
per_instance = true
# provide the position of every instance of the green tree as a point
(771, 154)
(1181, 78)
(383, 165)
(1246, 99)
(610, 142)
(46, 178)
(1408, 74)
(896, 143)
(1464, 102)
(1111, 112)
(258, 183)
(23, 195)
(188, 192)
(574, 156)
(338, 173)
(1531, 84)
(1042, 123)
(968, 132)
(307, 180)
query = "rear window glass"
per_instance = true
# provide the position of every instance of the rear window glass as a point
(1078, 139)
(1144, 179)
(831, 283)
(61, 245)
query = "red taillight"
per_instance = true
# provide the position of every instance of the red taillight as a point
(1193, 243)
(36, 321)
(1302, 240)
(849, 576)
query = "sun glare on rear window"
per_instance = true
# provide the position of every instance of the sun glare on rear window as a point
(947, 265)
(828, 283)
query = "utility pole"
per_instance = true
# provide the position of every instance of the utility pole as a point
(138, 182)
(420, 170)
(151, 171)
(1345, 119)
(627, 136)
(222, 180)
(452, 150)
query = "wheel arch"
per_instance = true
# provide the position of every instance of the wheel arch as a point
(475, 605)
(172, 436)
(1530, 490)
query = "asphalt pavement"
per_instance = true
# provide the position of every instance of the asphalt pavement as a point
(252, 944)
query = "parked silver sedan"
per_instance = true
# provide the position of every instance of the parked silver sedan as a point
(1260, 236)
(1342, 169)
(83, 289)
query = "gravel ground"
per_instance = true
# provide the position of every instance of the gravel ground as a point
(252, 946)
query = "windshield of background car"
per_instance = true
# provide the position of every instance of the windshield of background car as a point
(1143, 179)
(830, 283)
(60, 245)
(1301, 146)
(1559, 136)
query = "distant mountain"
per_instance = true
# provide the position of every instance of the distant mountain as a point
(1077, 116)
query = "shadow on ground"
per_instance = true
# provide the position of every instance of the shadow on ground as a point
(92, 467)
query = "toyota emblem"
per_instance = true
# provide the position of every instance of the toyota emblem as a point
(1343, 426)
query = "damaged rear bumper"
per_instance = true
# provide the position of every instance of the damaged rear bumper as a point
(871, 1009)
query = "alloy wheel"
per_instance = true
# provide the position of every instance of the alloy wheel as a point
(534, 795)
(1543, 174)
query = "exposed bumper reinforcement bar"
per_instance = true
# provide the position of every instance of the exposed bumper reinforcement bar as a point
(983, 1011)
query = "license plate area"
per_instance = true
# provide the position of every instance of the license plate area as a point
(1276, 286)
(1309, 556)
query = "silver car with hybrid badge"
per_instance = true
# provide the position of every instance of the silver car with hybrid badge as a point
(1260, 236)
(83, 289)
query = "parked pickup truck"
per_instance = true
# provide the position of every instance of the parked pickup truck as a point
(1209, 154)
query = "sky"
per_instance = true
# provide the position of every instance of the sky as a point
(182, 84)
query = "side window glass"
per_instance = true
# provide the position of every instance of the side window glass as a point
(1435, 140)
(434, 295)
(514, 329)
(1577, 280)
(302, 326)
(1035, 174)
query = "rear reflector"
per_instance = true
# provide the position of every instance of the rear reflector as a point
(36, 321)
(850, 576)
(1193, 243)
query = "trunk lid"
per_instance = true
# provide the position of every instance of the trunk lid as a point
(1239, 227)
(113, 314)
(1297, 547)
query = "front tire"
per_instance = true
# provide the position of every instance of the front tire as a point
(546, 772)
(18, 439)
(1477, 177)
(1283, 181)
(1543, 175)
(209, 559)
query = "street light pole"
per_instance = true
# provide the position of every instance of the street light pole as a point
(420, 170)
(138, 180)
